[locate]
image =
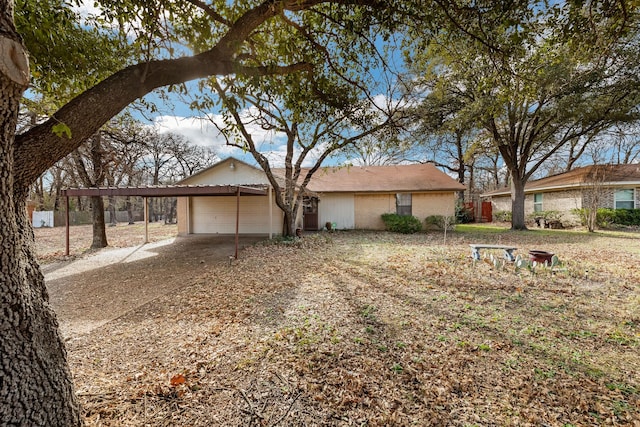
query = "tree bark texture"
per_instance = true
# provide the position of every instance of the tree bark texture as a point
(517, 203)
(113, 221)
(129, 210)
(35, 382)
(99, 231)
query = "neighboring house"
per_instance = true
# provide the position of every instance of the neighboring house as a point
(602, 186)
(349, 197)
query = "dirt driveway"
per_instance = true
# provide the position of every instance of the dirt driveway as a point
(90, 291)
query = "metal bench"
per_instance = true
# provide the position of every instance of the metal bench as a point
(508, 250)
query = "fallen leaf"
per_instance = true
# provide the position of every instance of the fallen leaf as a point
(178, 379)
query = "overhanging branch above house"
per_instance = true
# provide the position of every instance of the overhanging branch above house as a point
(168, 191)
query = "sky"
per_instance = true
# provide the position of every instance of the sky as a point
(175, 116)
(199, 130)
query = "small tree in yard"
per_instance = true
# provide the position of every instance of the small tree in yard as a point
(443, 222)
(592, 196)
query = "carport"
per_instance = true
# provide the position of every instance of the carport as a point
(167, 191)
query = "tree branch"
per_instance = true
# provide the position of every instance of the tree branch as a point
(39, 148)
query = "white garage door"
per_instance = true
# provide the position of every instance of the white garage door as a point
(218, 215)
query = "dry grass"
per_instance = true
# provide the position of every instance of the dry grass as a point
(51, 241)
(379, 329)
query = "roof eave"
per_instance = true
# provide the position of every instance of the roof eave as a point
(573, 186)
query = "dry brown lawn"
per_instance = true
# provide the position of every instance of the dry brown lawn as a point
(356, 328)
(51, 241)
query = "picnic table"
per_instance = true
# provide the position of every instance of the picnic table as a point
(508, 250)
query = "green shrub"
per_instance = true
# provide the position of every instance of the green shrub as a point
(582, 215)
(603, 219)
(440, 221)
(405, 224)
(606, 217)
(502, 216)
(548, 215)
(464, 215)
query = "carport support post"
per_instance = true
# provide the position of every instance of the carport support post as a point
(66, 224)
(270, 213)
(237, 217)
(146, 220)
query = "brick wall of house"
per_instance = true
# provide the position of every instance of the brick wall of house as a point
(563, 201)
(501, 203)
(557, 201)
(370, 207)
(605, 197)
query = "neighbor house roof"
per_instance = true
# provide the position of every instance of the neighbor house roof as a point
(396, 178)
(608, 175)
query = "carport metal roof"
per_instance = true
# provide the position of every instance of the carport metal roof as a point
(169, 191)
(166, 191)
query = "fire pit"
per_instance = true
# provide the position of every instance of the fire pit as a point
(540, 256)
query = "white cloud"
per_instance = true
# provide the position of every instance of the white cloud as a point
(202, 131)
(88, 8)
(196, 130)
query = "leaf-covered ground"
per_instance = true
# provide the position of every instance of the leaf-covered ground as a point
(355, 328)
(51, 240)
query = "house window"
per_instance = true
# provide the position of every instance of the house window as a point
(537, 202)
(624, 199)
(403, 203)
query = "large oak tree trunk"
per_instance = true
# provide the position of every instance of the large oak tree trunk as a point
(97, 215)
(35, 386)
(517, 203)
(35, 382)
(288, 224)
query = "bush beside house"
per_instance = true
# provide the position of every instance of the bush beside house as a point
(606, 217)
(405, 224)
